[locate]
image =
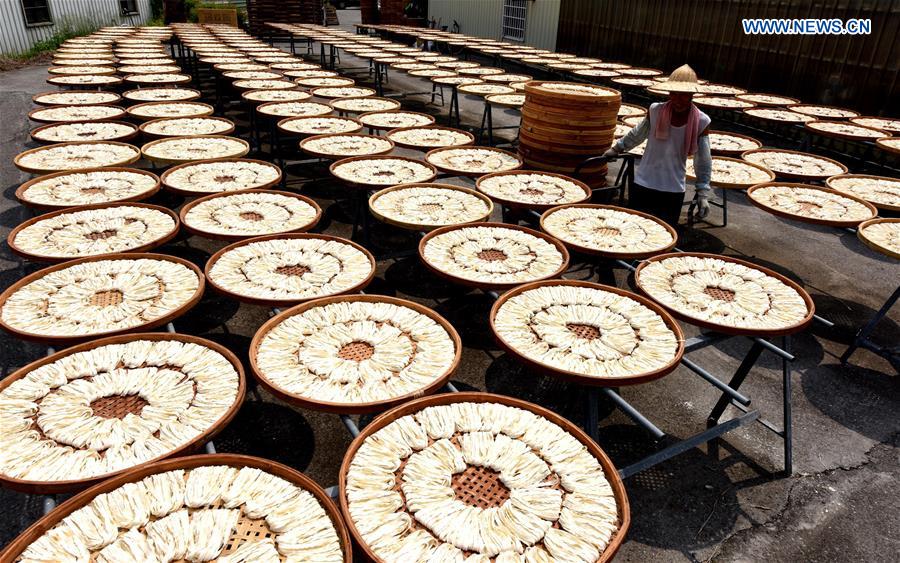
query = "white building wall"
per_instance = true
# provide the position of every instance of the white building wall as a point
(16, 37)
(484, 18)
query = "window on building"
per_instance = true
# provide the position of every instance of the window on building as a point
(514, 15)
(37, 12)
(129, 7)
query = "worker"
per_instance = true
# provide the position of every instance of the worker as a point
(674, 131)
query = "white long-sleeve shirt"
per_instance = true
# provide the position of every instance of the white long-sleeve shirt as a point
(663, 165)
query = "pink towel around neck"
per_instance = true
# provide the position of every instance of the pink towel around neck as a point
(691, 128)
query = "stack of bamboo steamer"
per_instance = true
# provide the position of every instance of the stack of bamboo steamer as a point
(564, 123)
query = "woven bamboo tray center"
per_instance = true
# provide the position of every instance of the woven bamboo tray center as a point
(721, 294)
(479, 486)
(92, 191)
(86, 134)
(356, 351)
(295, 270)
(608, 232)
(102, 235)
(492, 255)
(247, 530)
(117, 406)
(251, 216)
(531, 191)
(224, 179)
(107, 298)
(431, 207)
(587, 332)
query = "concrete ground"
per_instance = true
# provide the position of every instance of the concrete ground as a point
(723, 504)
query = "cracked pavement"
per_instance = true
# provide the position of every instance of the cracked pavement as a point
(721, 505)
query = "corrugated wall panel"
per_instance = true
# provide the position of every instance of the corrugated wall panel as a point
(862, 72)
(484, 18)
(16, 37)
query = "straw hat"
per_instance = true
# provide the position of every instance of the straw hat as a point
(683, 79)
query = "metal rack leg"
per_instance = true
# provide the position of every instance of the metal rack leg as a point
(786, 427)
(862, 337)
(736, 380)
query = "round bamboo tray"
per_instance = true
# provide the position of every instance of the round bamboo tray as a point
(159, 241)
(182, 157)
(245, 85)
(736, 151)
(359, 182)
(890, 144)
(422, 226)
(39, 132)
(735, 162)
(493, 285)
(891, 126)
(777, 115)
(523, 204)
(844, 130)
(236, 237)
(265, 96)
(224, 126)
(716, 102)
(834, 181)
(432, 158)
(224, 161)
(246, 528)
(333, 92)
(251, 74)
(841, 169)
(358, 287)
(164, 78)
(305, 145)
(324, 82)
(319, 125)
(806, 218)
(285, 110)
(346, 407)
(579, 377)
(23, 189)
(480, 495)
(87, 70)
(772, 100)
(398, 132)
(874, 245)
(70, 81)
(101, 98)
(395, 119)
(726, 329)
(509, 101)
(631, 255)
(67, 339)
(346, 105)
(819, 111)
(69, 485)
(135, 156)
(170, 94)
(202, 110)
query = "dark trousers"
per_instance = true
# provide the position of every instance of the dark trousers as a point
(663, 205)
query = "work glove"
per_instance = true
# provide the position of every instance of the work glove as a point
(701, 199)
(611, 153)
